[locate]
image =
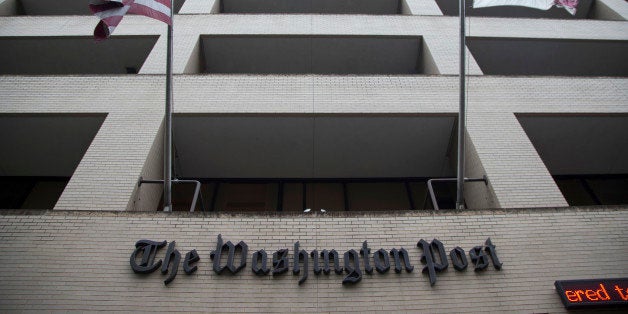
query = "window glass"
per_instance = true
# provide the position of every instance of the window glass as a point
(378, 196)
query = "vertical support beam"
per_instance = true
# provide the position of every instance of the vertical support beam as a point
(409, 193)
(304, 194)
(461, 113)
(168, 119)
(215, 196)
(279, 196)
(345, 193)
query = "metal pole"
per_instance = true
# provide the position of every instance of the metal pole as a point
(168, 120)
(461, 113)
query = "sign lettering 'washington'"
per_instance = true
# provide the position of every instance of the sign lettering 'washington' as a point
(433, 257)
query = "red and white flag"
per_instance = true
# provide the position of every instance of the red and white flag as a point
(111, 13)
(569, 5)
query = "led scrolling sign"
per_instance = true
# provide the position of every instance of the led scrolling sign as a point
(593, 292)
(433, 257)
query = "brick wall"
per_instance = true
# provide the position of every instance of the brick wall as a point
(79, 261)
(107, 176)
(108, 173)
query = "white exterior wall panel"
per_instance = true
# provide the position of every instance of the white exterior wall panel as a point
(76, 257)
(512, 165)
(92, 271)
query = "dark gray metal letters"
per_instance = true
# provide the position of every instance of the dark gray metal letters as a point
(190, 257)
(143, 261)
(280, 262)
(149, 249)
(173, 257)
(397, 255)
(220, 247)
(433, 263)
(260, 270)
(458, 258)
(353, 271)
(300, 256)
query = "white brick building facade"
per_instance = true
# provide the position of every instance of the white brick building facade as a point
(63, 260)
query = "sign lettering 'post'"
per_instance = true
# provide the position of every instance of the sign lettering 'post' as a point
(233, 258)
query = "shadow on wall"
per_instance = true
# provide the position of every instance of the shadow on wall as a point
(45, 149)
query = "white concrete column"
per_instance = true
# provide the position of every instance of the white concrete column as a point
(420, 7)
(615, 10)
(185, 55)
(444, 51)
(516, 173)
(200, 7)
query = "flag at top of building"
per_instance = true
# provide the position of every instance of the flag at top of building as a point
(569, 5)
(111, 13)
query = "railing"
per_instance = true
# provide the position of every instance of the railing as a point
(431, 189)
(197, 189)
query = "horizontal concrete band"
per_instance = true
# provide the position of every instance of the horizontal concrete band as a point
(58, 260)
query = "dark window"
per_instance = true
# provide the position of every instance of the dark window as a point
(73, 55)
(583, 190)
(340, 55)
(297, 195)
(312, 6)
(550, 57)
(31, 192)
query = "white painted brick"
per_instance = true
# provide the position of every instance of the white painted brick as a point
(106, 177)
(92, 273)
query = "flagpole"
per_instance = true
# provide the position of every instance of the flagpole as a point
(461, 113)
(168, 119)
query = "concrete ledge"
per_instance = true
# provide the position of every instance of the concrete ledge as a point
(352, 214)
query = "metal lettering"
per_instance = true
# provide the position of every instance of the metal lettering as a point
(433, 263)
(260, 270)
(300, 256)
(148, 250)
(353, 271)
(190, 257)
(458, 259)
(317, 269)
(232, 249)
(173, 257)
(333, 254)
(280, 262)
(365, 251)
(378, 256)
(396, 254)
